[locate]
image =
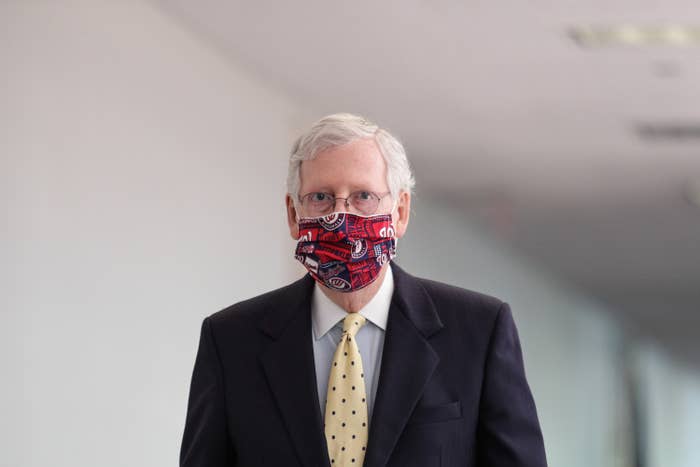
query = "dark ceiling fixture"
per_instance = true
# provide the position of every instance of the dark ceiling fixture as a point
(669, 131)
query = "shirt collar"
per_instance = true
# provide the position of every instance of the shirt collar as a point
(325, 313)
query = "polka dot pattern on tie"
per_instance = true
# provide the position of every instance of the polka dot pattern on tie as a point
(345, 423)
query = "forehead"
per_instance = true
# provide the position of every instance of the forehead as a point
(355, 165)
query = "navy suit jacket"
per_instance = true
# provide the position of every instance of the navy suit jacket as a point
(452, 389)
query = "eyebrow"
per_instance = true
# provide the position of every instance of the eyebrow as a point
(354, 188)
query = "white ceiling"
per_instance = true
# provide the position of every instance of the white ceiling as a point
(507, 117)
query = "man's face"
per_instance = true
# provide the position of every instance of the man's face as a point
(356, 166)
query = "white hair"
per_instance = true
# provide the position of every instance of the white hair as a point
(342, 128)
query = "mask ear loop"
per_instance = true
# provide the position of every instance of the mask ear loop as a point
(297, 205)
(395, 205)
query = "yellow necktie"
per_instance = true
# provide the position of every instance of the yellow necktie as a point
(346, 406)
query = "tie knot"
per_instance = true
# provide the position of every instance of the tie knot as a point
(352, 323)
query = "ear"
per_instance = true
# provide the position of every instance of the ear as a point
(400, 217)
(292, 217)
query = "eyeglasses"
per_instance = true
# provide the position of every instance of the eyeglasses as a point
(320, 204)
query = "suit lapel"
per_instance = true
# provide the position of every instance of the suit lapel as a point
(408, 361)
(288, 363)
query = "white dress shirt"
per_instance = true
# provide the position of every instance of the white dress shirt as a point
(327, 325)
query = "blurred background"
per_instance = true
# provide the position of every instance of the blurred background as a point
(144, 145)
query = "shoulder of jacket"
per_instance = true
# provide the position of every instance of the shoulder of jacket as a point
(252, 307)
(443, 293)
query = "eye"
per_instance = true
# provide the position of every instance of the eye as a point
(318, 197)
(363, 195)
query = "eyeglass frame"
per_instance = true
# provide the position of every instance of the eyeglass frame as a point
(347, 203)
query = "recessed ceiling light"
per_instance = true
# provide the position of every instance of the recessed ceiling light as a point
(629, 35)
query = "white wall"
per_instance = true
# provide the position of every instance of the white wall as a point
(143, 174)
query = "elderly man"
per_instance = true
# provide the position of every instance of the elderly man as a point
(358, 362)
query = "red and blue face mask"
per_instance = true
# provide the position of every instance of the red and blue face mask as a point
(345, 251)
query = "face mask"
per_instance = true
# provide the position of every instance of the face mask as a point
(345, 251)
